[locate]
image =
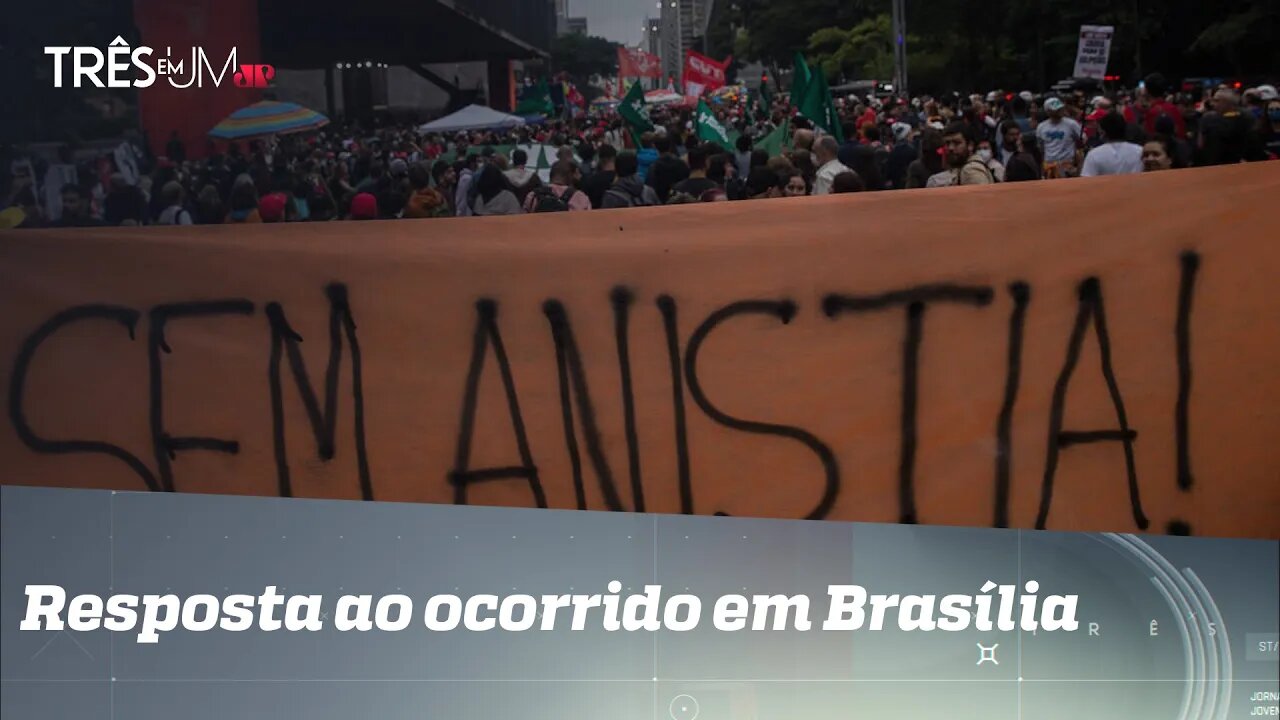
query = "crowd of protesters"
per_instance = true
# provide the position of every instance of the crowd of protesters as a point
(347, 172)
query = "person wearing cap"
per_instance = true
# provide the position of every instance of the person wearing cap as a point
(904, 152)
(1061, 137)
(273, 208)
(1100, 106)
(364, 206)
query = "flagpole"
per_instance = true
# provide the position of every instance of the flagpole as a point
(899, 47)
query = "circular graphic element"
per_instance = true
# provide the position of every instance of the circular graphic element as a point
(683, 707)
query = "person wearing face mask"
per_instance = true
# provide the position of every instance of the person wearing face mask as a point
(986, 154)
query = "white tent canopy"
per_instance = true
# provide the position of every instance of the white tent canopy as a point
(472, 117)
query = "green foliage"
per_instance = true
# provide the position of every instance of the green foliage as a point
(1012, 44)
(583, 56)
(865, 51)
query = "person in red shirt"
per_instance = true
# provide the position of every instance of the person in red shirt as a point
(868, 117)
(1152, 104)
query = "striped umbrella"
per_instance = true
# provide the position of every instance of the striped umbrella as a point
(268, 117)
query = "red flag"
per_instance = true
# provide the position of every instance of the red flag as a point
(634, 62)
(702, 74)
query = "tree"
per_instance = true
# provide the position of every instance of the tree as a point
(962, 45)
(862, 52)
(583, 56)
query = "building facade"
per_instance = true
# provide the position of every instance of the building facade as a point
(683, 25)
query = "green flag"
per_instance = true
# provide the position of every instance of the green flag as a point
(710, 129)
(800, 76)
(818, 107)
(766, 95)
(632, 110)
(776, 141)
(536, 101)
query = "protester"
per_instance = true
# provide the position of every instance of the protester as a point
(561, 195)
(400, 172)
(1227, 133)
(273, 208)
(763, 183)
(522, 179)
(929, 162)
(75, 208)
(986, 153)
(964, 167)
(826, 150)
(794, 184)
(364, 206)
(424, 201)
(1026, 163)
(1157, 155)
(697, 183)
(628, 190)
(1116, 155)
(1152, 104)
(1062, 138)
(493, 195)
(847, 182)
(598, 182)
(900, 157)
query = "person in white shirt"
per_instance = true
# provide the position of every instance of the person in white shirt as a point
(1061, 138)
(825, 149)
(174, 212)
(1115, 156)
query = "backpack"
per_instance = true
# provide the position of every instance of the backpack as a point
(978, 162)
(546, 200)
(628, 198)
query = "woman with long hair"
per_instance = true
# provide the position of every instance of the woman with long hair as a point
(494, 196)
(930, 161)
(244, 202)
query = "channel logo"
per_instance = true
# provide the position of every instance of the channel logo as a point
(122, 66)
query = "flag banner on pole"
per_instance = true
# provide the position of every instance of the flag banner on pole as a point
(776, 141)
(711, 129)
(818, 107)
(536, 100)
(703, 73)
(632, 109)
(800, 76)
(636, 63)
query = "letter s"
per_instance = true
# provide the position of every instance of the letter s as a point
(147, 70)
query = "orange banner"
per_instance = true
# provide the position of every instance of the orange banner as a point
(1081, 354)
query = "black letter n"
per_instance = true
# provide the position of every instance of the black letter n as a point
(323, 424)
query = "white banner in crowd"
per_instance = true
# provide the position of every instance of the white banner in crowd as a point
(1094, 49)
